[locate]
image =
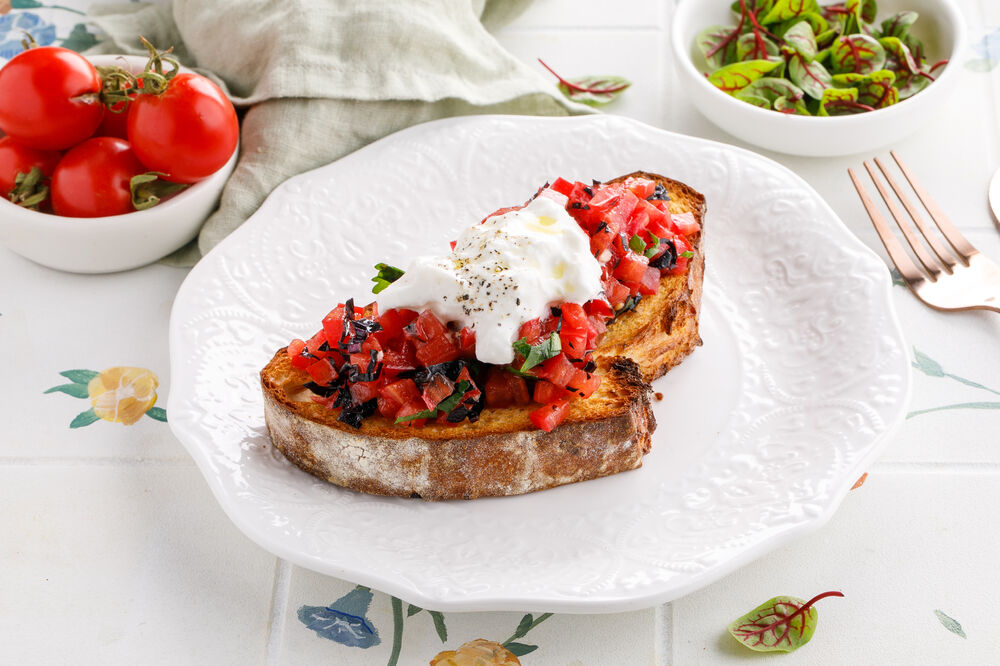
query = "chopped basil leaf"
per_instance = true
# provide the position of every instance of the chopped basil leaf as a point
(386, 275)
(652, 247)
(687, 254)
(637, 244)
(446, 405)
(535, 354)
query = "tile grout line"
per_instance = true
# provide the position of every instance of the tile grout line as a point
(935, 467)
(103, 461)
(535, 29)
(663, 635)
(279, 606)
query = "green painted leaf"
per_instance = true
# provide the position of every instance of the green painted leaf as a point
(860, 54)
(520, 649)
(802, 38)
(439, 627)
(781, 624)
(84, 419)
(412, 610)
(79, 376)
(926, 364)
(963, 405)
(157, 413)
(737, 76)
(75, 390)
(898, 25)
(950, 624)
(25, 4)
(749, 47)
(523, 626)
(812, 77)
(718, 45)
(79, 39)
(787, 9)
(597, 90)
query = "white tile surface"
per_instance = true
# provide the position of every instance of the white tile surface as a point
(126, 565)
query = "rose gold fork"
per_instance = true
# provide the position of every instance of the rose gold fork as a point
(956, 278)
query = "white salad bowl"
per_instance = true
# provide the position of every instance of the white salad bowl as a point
(114, 243)
(940, 27)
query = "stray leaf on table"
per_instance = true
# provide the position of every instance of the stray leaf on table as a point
(781, 624)
(591, 90)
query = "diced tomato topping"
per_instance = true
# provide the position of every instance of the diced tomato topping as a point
(295, 347)
(393, 321)
(546, 392)
(557, 370)
(616, 292)
(503, 388)
(607, 196)
(600, 241)
(412, 408)
(467, 341)
(532, 331)
(401, 360)
(437, 389)
(439, 350)
(548, 417)
(315, 342)
(574, 344)
(599, 308)
(641, 187)
(686, 224)
(364, 391)
(639, 221)
(583, 383)
(321, 372)
(650, 282)
(387, 407)
(473, 392)
(631, 267)
(562, 186)
(402, 392)
(573, 317)
(429, 326)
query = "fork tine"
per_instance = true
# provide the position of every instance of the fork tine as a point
(897, 254)
(932, 267)
(962, 246)
(930, 236)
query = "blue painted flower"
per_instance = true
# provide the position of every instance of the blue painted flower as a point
(988, 50)
(344, 620)
(15, 24)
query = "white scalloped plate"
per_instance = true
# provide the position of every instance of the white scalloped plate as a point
(802, 378)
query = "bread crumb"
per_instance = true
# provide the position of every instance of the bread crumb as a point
(658, 396)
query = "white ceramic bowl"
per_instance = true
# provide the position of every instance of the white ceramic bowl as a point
(116, 243)
(940, 27)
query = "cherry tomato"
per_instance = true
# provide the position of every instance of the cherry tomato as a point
(92, 179)
(15, 159)
(187, 132)
(49, 98)
(115, 121)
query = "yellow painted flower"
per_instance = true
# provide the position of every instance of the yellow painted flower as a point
(479, 652)
(122, 395)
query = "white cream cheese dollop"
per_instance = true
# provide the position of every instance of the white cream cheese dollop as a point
(506, 271)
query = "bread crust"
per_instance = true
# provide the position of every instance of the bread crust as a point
(503, 453)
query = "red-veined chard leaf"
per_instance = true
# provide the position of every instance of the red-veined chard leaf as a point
(788, 9)
(915, 45)
(815, 21)
(791, 107)
(801, 38)
(771, 88)
(743, 97)
(753, 46)
(898, 56)
(824, 39)
(840, 102)
(898, 25)
(718, 45)
(877, 90)
(781, 624)
(737, 76)
(756, 6)
(594, 90)
(909, 85)
(857, 53)
(812, 77)
(865, 10)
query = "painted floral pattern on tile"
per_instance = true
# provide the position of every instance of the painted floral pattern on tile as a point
(39, 20)
(987, 51)
(932, 368)
(118, 395)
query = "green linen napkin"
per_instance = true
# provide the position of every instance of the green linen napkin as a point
(322, 79)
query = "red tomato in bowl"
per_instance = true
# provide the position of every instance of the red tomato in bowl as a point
(16, 158)
(187, 132)
(50, 98)
(93, 179)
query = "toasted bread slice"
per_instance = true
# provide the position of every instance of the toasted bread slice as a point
(503, 453)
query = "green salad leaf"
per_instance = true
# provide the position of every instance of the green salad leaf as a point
(808, 46)
(386, 275)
